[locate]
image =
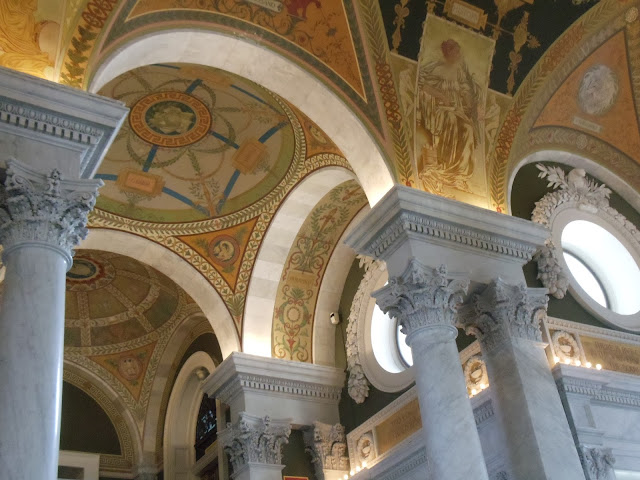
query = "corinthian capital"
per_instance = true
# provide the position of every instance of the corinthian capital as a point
(256, 440)
(422, 297)
(504, 311)
(327, 445)
(44, 209)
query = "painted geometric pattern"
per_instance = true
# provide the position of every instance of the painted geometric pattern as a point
(209, 197)
(120, 315)
(305, 266)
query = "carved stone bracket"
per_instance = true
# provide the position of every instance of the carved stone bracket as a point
(44, 209)
(504, 311)
(422, 297)
(327, 445)
(357, 384)
(598, 463)
(255, 440)
(572, 190)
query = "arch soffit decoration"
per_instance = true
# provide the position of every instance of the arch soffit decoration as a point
(182, 411)
(324, 347)
(515, 138)
(116, 410)
(272, 71)
(154, 418)
(176, 268)
(273, 253)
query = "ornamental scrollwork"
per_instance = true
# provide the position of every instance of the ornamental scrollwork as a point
(327, 445)
(44, 208)
(503, 311)
(575, 190)
(255, 439)
(598, 463)
(422, 296)
(357, 384)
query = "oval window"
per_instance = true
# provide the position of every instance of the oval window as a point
(602, 266)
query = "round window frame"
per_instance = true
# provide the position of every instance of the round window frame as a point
(561, 217)
(363, 355)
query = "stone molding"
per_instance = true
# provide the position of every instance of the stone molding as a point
(327, 445)
(57, 114)
(407, 467)
(44, 209)
(597, 463)
(422, 297)
(571, 190)
(594, 388)
(406, 212)
(357, 384)
(503, 312)
(255, 440)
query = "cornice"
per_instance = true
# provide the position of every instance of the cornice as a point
(607, 387)
(53, 113)
(242, 372)
(405, 212)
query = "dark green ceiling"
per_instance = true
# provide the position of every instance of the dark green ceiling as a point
(547, 20)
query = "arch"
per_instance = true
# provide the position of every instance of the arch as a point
(116, 410)
(324, 333)
(182, 413)
(269, 69)
(261, 295)
(176, 268)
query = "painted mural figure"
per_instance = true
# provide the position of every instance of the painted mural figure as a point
(21, 37)
(448, 113)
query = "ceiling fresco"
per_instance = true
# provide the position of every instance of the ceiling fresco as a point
(199, 144)
(202, 165)
(120, 315)
(304, 269)
(521, 29)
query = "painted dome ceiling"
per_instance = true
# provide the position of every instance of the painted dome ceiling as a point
(199, 143)
(114, 300)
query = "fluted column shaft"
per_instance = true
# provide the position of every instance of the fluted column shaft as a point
(506, 320)
(425, 301)
(42, 218)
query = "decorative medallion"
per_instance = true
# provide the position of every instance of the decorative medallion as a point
(224, 250)
(598, 90)
(130, 367)
(365, 449)
(170, 119)
(87, 273)
(475, 374)
(565, 346)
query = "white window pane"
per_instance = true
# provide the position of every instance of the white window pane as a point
(586, 279)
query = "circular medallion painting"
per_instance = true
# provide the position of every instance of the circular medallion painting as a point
(200, 143)
(598, 90)
(170, 119)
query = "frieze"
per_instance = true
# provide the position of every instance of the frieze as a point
(407, 223)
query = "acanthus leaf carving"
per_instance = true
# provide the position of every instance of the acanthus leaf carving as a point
(422, 296)
(503, 311)
(357, 384)
(598, 463)
(255, 439)
(570, 190)
(327, 445)
(44, 209)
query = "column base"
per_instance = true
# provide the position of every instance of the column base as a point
(258, 471)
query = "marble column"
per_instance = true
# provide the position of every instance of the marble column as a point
(424, 300)
(327, 445)
(506, 319)
(42, 217)
(254, 445)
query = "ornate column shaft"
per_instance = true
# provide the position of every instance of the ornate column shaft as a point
(506, 319)
(327, 445)
(254, 445)
(425, 303)
(42, 218)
